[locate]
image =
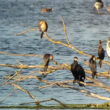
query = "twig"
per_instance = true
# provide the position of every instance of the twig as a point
(66, 37)
(85, 92)
(7, 95)
(62, 104)
(27, 92)
(33, 29)
(72, 47)
(99, 83)
(31, 55)
(66, 45)
(9, 78)
(102, 74)
(57, 67)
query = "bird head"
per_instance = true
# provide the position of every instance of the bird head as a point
(100, 42)
(51, 57)
(93, 57)
(75, 58)
(41, 23)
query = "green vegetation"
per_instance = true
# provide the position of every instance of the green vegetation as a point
(67, 106)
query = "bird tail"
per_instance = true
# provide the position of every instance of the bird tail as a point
(82, 85)
(45, 68)
(41, 35)
(100, 63)
(94, 74)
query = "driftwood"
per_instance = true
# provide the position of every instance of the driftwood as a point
(17, 77)
(62, 84)
(27, 92)
(12, 54)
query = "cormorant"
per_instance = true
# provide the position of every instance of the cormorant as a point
(77, 71)
(108, 9)
(46, 10)
(98, 5)
(108, 50)
(42, 25)
(93, 66)
(101, 53)
(108, 47)
(46, 59)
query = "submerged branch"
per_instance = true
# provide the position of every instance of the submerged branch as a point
(7, 95)
(27, 92)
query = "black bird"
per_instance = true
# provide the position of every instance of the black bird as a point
(42, 25)
(101, 53)
(98, 5)
(46, 59)
(77, 71)
(93, 66)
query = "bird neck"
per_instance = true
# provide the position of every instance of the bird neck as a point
(75, 63)
(100, 46)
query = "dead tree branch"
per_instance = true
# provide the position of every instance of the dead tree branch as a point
(21, 33)
(66, 37)
(30, 55)
(72, 47)
(27, 92)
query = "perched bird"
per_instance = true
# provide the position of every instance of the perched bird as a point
(46, 10)
(77, 71)
(108, 50)
(101, 53)
(93, 66)
(46, 59)
(108, 47)
(98, 5)
(108, 9)
(42, 25)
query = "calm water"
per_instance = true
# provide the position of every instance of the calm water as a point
(84, 28)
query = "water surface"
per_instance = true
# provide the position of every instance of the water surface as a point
(84, 28)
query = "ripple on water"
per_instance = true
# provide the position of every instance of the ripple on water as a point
(84, 28)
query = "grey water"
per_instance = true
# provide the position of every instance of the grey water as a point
(84, 28)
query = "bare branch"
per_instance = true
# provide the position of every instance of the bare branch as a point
(10, 77)
(66, 37)
(72, 47)
(33, 29)
(85, 92)
(31, 55)
(7, 95)
(27, 92)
